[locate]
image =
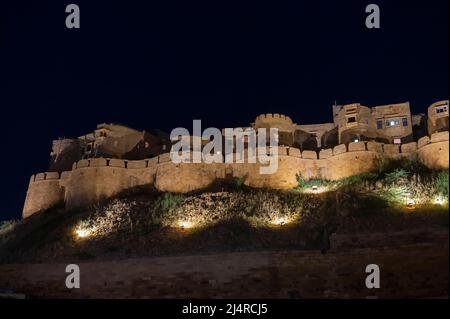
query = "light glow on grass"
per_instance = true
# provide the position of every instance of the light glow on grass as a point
(185, 224)
(316, 190)
(410, 203)
(83, 232)
(439, 200)
(281, 221)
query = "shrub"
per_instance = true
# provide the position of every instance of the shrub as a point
(395, 175)
(240, 181)
(410, 165)
(356, 179)
(440, 183)
(383, 166)
(304, 184)
(395, 195)
(168, 201)
(7, 226)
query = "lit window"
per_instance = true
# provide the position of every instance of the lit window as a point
(392, 122)
(397, 141)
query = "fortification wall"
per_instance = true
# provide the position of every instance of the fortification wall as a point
(93, 180)
(44, 191)
(97, 179)
(280, 121)
(433, 151)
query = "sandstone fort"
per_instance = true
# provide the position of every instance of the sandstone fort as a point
(114, 157)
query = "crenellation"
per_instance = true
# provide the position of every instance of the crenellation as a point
(408, 148)
(283, 150)
(375, 147)
(137, 164)
(391, 149)
(423, 141)
(292, 151)
(356, 146)
(439, 137)
(339, 149)
(325, 153)
(98, 162)
(116, 163)
(152, 162)
(309, 155)
(51, 175)
(39, 177)
(65, 175)
(83, 163)
(310, 150)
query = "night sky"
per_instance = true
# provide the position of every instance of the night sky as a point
(161, 65)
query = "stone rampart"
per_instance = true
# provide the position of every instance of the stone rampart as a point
(92, 180)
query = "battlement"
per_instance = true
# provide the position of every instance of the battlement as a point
(277, 116)
(274, 119)
(92, 180)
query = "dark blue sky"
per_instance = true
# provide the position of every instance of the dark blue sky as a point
(162, 65)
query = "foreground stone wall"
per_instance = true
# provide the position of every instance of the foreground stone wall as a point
(44, 191)
(413, 271)
(95, 179)
(434, 151)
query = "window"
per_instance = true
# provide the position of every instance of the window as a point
(351, 119)
(397, 141)
(441, 109)
(405, 121)
(392, 122)
(379, 124)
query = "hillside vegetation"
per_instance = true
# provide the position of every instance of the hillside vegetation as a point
(232, 217)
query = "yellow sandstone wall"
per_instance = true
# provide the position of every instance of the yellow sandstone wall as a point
(93, 180)
(44, 191)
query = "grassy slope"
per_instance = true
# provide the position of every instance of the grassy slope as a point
(227, 218)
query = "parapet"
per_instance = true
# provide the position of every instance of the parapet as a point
(274, 116)
(51, 188)
(280, 121)
(44, 176)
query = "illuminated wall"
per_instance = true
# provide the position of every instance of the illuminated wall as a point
(92, 180)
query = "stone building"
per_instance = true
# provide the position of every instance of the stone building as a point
(438, 117)
(386, 123)
(65, 152)
(389, 124)
(108, 141)
(115, 158)
(322, 133)
(303, 137)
